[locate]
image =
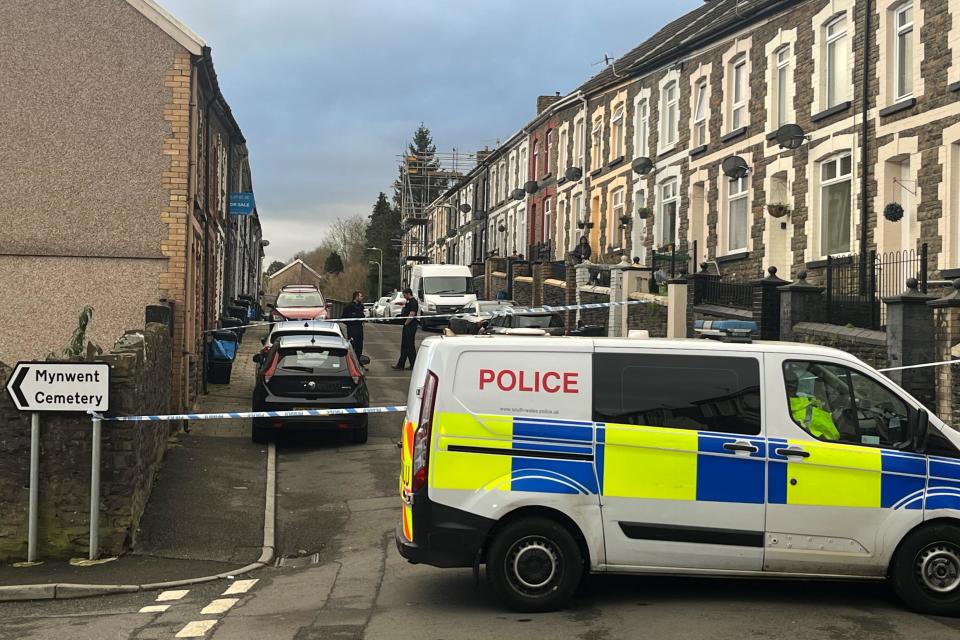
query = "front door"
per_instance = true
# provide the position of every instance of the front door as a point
(843, 486)
(680, 459)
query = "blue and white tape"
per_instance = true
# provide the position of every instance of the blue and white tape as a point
(240, 415)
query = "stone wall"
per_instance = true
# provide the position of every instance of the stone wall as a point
(498, 283)
(869, 346)
(479, 284)
(651, 315)
(523, 290)
(140, 383)
(592, 295)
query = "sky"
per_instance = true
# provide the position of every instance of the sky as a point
(329, 92)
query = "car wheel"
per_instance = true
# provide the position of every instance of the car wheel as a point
(926, 570)
(534, 564)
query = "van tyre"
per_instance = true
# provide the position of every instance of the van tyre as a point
(534, 565)
(926, 570)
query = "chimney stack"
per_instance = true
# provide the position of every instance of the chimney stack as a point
(483, 155)
(544, 102)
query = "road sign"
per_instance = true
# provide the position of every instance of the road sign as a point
(60, 386)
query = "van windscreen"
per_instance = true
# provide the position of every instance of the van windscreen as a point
(447, 284)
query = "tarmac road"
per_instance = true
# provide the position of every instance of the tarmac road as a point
(340, 503)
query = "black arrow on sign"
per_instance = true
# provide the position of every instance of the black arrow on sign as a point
(15, 387)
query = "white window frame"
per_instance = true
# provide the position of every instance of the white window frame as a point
(782, 58)
(578, 132)
(617, 132)
(562, 150)
(596, 148)
(669, 134)
(738, 190)
(673, 182)
(641, 132)
(830, 43)
(618, 207)
(823, 184)
(536, 160)
(906, 92)
(547, 211)
(548, 151)
(738, 92)
(700, 111)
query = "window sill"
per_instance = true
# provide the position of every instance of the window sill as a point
(903, 105)
(955, 86)
(596, 172)
(561, 179)
(819, 264)
(696, 151)
(832, 111)
(666, 150)
(950, 274)
(733, 135)
(732, 257)
(615, 162)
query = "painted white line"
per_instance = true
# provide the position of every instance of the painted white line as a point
(155, 608)
(166, 596)
(240, 586)
(196, 629)
(220, 605)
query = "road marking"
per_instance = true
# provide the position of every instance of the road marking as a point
(240, 586)
(166, 596)
(155, 608)
(220, 605)
(196, 629)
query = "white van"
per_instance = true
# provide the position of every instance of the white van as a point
(441, 289)
(545, 458)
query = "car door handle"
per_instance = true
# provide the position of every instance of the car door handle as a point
(793, 453)
(740, 446)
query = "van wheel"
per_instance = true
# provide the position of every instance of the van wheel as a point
(926, 570)
(534, 564)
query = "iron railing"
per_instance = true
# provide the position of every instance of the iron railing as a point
(671, 261)
(856, 287)
(599, 275)
(558, 270)
(541, 252)
(711, 290)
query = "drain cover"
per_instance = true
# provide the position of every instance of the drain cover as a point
(298, 561)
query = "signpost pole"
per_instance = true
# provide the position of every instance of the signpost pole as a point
(95, 490)
(34, 486)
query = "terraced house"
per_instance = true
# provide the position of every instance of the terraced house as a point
(675, 145)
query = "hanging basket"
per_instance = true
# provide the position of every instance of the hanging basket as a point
(893, 212)
(778, 210)
(644, 212)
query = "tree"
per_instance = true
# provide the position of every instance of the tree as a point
(425, 185)
(333, 264)
(275, 266)
(383, 227)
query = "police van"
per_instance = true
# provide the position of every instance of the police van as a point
(545, 458)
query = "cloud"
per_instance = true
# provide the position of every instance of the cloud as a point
(328, 93)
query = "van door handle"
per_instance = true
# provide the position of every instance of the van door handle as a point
(793, 453)
(740, 446)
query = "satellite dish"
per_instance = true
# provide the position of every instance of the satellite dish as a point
(464, 208)
(790, 136)
(531, 187)
(735, 167)
(573, 174)
(517, 194)
(643, 165)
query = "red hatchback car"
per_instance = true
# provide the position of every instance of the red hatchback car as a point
(299, 303)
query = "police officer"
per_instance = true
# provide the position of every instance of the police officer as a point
(355, 328)
(409, 313)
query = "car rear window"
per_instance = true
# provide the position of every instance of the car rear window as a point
(313, 360)
(300, 299)
(537, 322)
(289, 334)
(493, 306)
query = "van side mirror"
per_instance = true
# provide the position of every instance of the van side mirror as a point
(364, 361)
(921, 430)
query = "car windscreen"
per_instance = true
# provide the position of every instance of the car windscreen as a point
(313, 360)
(447, 284)
(542, 321)
(305, 299)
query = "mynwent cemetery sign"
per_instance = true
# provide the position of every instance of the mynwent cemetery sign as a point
(60, 386)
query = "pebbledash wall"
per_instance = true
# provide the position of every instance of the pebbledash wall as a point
(140, 382)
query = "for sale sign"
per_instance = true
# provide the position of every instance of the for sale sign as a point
(60, 386)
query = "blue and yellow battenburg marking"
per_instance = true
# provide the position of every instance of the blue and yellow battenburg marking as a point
(633, 461)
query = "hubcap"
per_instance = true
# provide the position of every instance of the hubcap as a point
(939, 567)
(533, 564)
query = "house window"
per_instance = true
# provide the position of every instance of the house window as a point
(504, 176)
(562, 152)
(618, 209)
(781, 85)
(838, 62)
(576, 211)
(738, 92)
(669, 117)
(578, 143)
(596, 161)
(549, 152)
(546, 220)
(737, 215)
(536, 160)
(700, 115)
(616, 132)
(835, 202)
(903, 51)
(522, 167)
(642, 129)
(667, 222)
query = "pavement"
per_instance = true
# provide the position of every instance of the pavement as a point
(339, 575)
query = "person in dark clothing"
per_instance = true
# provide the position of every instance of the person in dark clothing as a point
(582, 251)
(355, 328)
(408, 346)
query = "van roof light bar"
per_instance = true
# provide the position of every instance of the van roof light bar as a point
(726, 330)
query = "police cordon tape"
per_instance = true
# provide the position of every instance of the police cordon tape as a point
(507, 311)
(239, 415)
